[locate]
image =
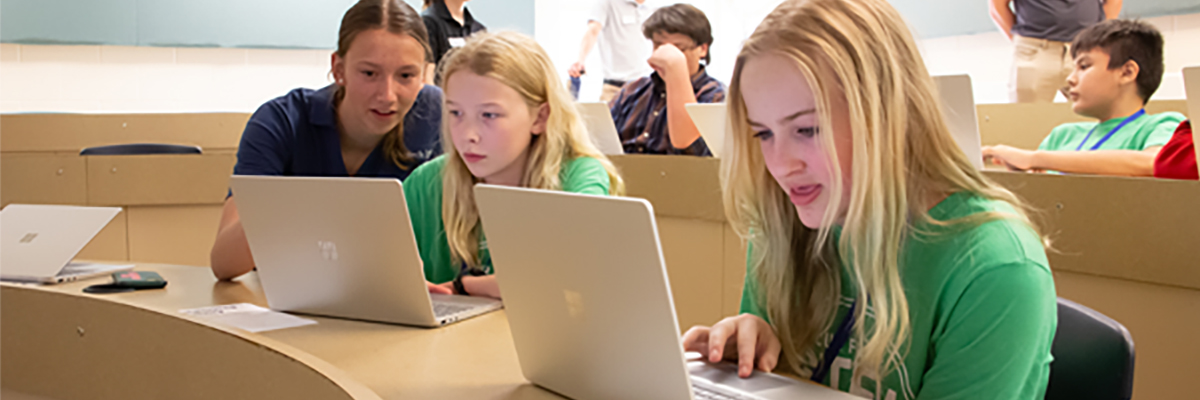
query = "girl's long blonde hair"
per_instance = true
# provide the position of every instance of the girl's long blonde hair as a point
(518, 62)
(903, 156)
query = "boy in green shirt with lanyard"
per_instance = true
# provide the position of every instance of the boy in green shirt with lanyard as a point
(1118, 65)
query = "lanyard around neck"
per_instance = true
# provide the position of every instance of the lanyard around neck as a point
(1127, 120)
(835, 346)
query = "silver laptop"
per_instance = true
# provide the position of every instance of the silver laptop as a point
(599, 122)
(1191, 85)
(39, 242)
(711, 120)
(958, 105)
(342, 247)
(589, 305)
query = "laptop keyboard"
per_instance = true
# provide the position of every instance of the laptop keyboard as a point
(702, 390)
(444, 309)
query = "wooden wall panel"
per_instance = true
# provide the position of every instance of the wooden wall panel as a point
(159, 180)
(693, 250)
(1162, 320)
(74, 132)
(180, 235)
(1133, 228)
(111, 244)
(43, 179)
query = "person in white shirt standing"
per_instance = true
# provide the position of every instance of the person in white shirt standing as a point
(623, 50)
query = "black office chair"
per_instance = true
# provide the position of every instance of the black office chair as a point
(1093, 356)
(134, 149)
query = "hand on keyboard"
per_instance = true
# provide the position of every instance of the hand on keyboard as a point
(745, 336)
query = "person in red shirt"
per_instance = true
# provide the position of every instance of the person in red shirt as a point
(1177, 159)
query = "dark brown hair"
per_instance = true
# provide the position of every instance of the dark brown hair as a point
(683, 19)
(398, 18)
(1126, 40)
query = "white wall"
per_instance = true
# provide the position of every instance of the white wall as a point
(38, 78)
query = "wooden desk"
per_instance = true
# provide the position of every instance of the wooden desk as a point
(472, 359)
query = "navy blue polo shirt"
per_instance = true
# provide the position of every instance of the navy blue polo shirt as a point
(296, 135)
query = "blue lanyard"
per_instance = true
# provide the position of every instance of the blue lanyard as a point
(835, 346)
(1127, 120)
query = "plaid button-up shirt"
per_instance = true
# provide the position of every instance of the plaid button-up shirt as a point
(640, 114)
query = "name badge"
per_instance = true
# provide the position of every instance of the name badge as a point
(628, 19)
(457, 42)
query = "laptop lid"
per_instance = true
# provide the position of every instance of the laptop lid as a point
(39, 240)
(711, 120)
(1191, 84)
(599, 123)
(339, 247)
(958, 106)
(572, 298)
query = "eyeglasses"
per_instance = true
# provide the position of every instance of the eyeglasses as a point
(681, 48)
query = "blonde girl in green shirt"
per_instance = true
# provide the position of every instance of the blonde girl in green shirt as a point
(881, 262)
(506, 120)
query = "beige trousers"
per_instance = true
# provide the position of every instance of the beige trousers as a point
(1040, 68)
(608, 92)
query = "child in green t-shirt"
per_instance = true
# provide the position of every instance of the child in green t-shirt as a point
(1118, 65)
(882, 262)
(506, 121)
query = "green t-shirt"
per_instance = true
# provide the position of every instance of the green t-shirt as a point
(982, 308)
(423, 192)
(1140, 134)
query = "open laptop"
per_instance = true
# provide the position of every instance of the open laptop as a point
(588, 301)
(958, 105)
(39, 241)
(599, 122)
(710, 119)
(1191, 85)
(342, 247)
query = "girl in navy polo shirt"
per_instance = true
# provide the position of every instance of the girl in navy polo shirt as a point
(377, 120)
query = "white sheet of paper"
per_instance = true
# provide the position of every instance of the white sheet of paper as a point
(248, 317)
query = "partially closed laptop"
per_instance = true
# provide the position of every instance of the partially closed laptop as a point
(342, 247)
(711, 120)
(39, 241)
(958, 105)
(588, 302)
(599, 123)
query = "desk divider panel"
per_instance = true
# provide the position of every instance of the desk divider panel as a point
(74, 132)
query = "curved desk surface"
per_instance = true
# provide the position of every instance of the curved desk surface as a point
(60, 343)
(170, 355)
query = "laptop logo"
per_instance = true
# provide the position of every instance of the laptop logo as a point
(574, 303)
(328, 250)
(28, 238)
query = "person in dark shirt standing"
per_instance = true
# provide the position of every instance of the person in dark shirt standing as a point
(449, 24)
(1041, 32)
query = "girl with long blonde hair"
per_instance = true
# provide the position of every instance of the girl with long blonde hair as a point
(881, 262)
(507, 121)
